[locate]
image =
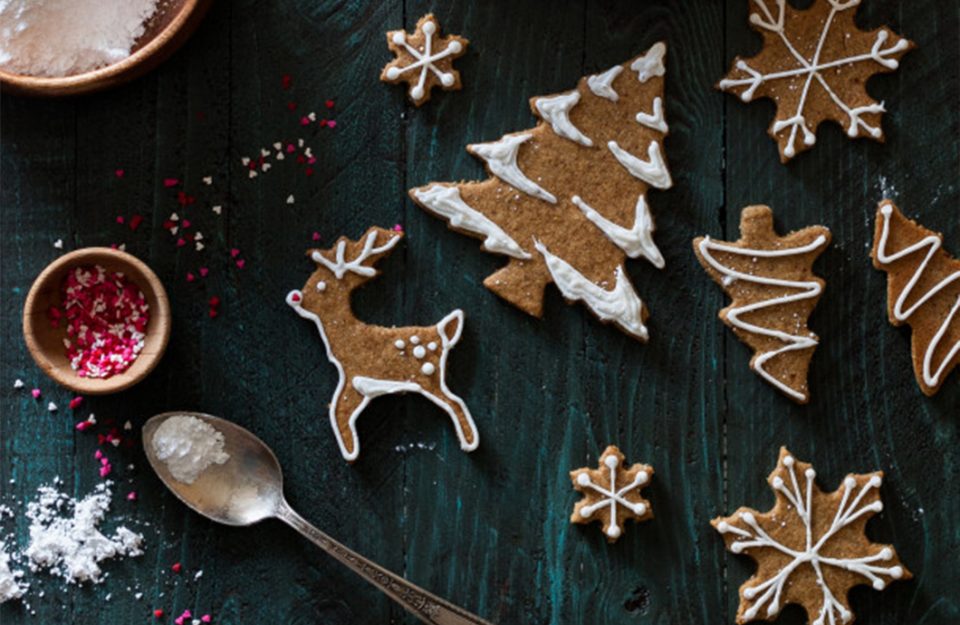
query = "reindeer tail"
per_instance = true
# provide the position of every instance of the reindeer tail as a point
(450, 328)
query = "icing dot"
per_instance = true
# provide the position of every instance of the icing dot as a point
(750, 593)
(886, 553)
(896, 572)
(428, 368)
(398, 38)
(399, 344)
(612, 462)
(447, 79)
(415, 339)
(613, 531)
(641, 509)
(875, 481)
(643, 476)
(878, 584)
(419, 352)
(723, 527)
(810, 473)
(585, 513)
(432, 346)
(583, 479)
(849, 482)
(737, 548)
(788, 461)
(429, 28)
(748, 518)
(455, 47)
(321, 286)
(393, 73)
(778, 482)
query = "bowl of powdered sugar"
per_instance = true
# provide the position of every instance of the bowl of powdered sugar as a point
(66, 47)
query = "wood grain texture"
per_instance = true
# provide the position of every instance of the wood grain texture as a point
(487, 530)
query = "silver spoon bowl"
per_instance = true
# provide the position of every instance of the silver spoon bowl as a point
(248, 488)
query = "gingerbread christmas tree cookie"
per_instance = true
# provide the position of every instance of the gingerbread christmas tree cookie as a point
(923, 290)
(814, 65)
(773, 289)
(424, 59)
(611, 493)
(375, 360)
(811, 547)
(566, 201)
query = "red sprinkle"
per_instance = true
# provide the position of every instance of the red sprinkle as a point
(184, 199)
(308, 171)
(316, 236)
(329, 104)
(190, 277)
(332, 123)
(295, 297)
(203, 272)
(234, 252)
(170, 182)
(176, 569)
(158, 613)
(181, 242)
(119, 173)
(135, 221)
(214, 301)
(304, 121)
(120, 219)
(83, 425)
(291, 106)
(75, 402)
(286, 81)
(185, 224)
(241, 263)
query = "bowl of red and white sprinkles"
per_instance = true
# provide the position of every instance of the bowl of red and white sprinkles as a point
(97, 320)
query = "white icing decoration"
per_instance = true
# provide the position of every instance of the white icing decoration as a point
(425, 61)
(371, 387)
(399, 344)
(770, 592)
(501, 158)
(806, 290)
(427, 368)
(555, 111)
(813, 70)
(651, 63)
(934, 243)
(415, 339)
(620, 304)
(655, 120)
(321, 286)
(446, 202)
(602, 84)
(432, 346)
(654, 171)
(419, 352)
(611, 498)
(340, 266)
(635, 242)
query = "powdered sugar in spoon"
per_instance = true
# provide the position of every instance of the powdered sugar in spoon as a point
(248, 488)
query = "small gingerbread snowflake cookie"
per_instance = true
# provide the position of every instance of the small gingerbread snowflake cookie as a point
(811, 548)
(611, 493)
(814, 65)
(424, 59)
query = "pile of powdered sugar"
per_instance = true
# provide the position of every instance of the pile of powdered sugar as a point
(10, 585)
(188, 446)
(67, 37)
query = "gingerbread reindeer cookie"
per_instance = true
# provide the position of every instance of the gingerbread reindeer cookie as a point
(374, 360)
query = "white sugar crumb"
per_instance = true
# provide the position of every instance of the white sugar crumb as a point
(188, 446)
(18, 383)
(65, 538)
(10, 586)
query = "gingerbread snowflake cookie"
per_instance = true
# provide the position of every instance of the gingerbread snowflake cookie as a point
(424, 59)
(811, 547)
(611, 493)
(814, 65)
(773, 289)
(566, 201)
(923, 290)
(376, 360)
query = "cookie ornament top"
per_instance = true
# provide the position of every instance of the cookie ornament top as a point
(424, 59)
(815, 65)
(566, 201)
(611, 493)
(376, 360)
(811, 547)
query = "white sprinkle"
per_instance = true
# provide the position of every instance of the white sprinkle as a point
(18, 383)
(290, 199)
(58, 244)
(52, 407)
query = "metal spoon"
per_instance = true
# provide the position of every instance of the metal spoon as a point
(249, 488)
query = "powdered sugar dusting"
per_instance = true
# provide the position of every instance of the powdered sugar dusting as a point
(10, 585)
(188, 446)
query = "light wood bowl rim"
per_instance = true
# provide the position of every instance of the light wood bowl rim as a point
(158, 328)
(140, 62)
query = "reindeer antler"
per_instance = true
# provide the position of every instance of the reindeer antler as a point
(340, 266)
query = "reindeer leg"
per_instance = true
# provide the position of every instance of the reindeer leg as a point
(345, 408)
(450, 329)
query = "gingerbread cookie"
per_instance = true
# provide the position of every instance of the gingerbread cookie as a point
(770, 281)
(374, 360)
(815, 65)
(923, 290)
(611, 493)
(566, 201)
(810, 548)
(424, 59)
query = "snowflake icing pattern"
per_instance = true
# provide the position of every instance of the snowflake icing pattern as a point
(427, 52)
(812, 80)
(609, 488)
(811, 547)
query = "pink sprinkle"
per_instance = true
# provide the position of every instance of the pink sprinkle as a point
(316, 236)
(178, 620)
(206, 618)
(190, 277)
(36, 393)
(312, 160)
(187, 614)
(83, 425)
(132, 495)
(185, 223)
(290, 148)
(234, 252)
(104, 461)
(398, 228)
(304, 121)
(203, 272)
(135, 221)
(119, 173)
(105, 470)
(170, 182)
(176, 569)
(75, 402)
(329, 104)
(241, 263)
(181, 242)
(98, 454)
(120, 219)
(332, 123)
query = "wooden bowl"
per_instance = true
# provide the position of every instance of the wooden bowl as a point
(171, 25)
(45, 342)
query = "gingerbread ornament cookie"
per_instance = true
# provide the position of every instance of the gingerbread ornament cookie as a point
(773, 289)
(811, 547)
(814, 65)
(424, 59)
(611, 493)
(923, 290)
(566, 201)
(375, 360)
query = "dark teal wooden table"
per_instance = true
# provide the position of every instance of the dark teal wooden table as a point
(489, 530)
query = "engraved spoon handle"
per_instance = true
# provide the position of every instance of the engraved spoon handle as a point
(425, 606)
